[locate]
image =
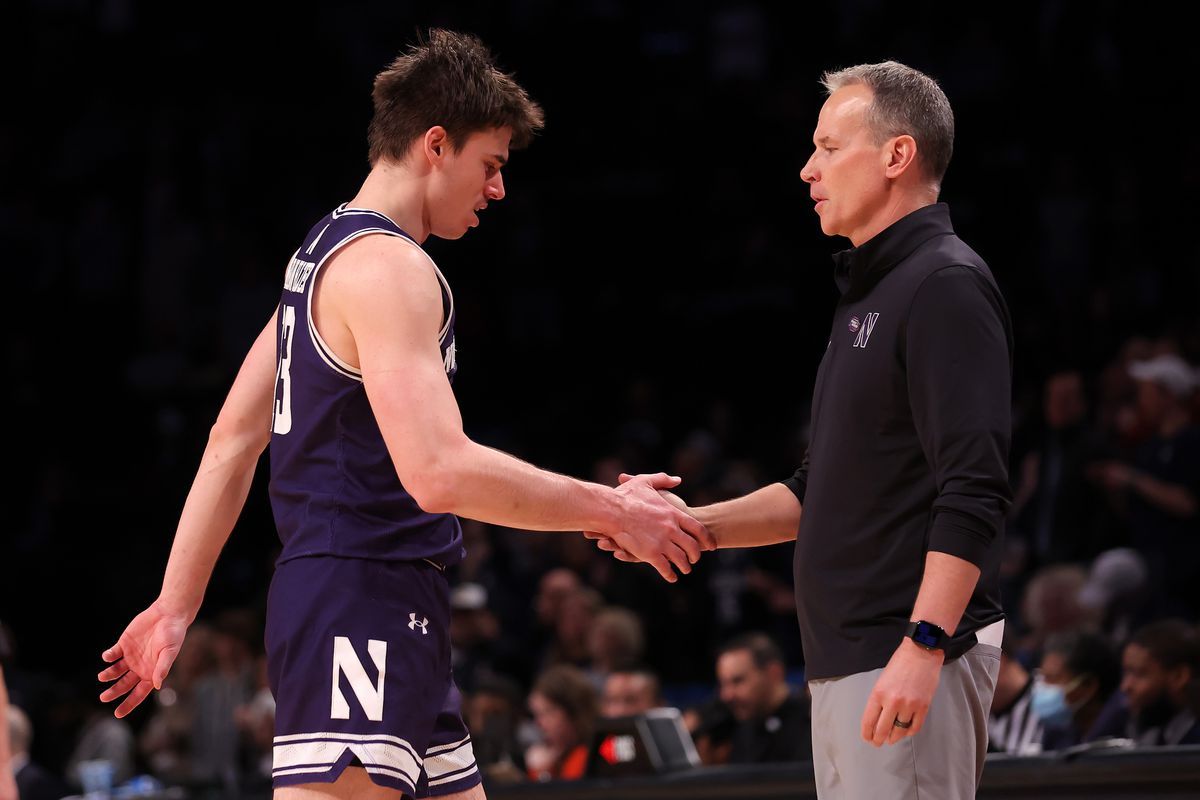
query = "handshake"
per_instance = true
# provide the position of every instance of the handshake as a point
(656, 527)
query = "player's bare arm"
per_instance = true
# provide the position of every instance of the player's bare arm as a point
(144, 653)
(385, 293)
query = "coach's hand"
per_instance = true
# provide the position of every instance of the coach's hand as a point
(143, 656)
(658, 530)
(903, 692)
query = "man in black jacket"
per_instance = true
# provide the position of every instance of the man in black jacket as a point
(773, 721)
(905, 484)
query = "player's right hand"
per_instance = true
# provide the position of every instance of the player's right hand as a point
(142, 657)
(656, 530)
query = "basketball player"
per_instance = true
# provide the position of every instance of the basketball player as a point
(350, 384)
(898, 508)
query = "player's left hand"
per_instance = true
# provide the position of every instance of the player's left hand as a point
(903, 692)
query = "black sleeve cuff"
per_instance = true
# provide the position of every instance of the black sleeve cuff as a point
(798, 484)
(960, 535)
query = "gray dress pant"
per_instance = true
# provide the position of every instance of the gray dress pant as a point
(942, 762)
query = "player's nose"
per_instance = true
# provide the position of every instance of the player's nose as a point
(495, 188)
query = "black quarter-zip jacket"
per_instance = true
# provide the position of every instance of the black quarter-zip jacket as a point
(909, 447)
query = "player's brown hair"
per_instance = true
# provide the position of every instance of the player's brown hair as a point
(450, 80)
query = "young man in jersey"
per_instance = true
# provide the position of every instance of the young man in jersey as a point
(350, 384)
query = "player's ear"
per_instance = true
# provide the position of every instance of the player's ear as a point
(436, 144)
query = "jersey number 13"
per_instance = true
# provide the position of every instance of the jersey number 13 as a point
(282, 419)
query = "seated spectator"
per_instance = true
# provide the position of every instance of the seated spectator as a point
(493, 714)
(1050, 605)
(774, 723)
(1079, 673)
(1116, 590)
(34, 782)
(563, 705)
(634, 690)
(712, 727)
(1161, 667)
(615, 640)
(1012, 725)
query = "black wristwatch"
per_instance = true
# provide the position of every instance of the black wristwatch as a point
(928, 635)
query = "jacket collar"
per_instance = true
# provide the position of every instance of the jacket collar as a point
(858, 269)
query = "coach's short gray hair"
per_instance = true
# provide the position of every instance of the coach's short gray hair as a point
(907, 101)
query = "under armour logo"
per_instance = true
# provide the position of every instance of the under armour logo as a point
(414, 623)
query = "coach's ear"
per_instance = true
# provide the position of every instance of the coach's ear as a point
(899, 154)
(436, 144)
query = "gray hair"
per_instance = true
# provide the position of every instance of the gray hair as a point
(906, 101)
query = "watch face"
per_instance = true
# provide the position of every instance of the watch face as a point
(926, 634)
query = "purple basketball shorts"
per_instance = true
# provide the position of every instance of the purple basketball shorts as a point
(358, 653)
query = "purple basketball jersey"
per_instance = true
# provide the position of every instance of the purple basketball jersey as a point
(334, 489)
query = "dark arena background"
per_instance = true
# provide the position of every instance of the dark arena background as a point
(654, 293)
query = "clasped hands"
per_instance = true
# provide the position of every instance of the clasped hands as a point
(657, 527)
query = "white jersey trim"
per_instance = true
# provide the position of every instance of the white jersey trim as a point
(327, 355)
(324, 350)
(458, 760)
(319, 754)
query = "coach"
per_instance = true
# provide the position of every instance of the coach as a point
(904, 487)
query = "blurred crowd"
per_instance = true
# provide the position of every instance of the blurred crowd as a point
(551, 636)
(150, 256)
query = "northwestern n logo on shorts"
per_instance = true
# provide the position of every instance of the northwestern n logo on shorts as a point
(345, 662)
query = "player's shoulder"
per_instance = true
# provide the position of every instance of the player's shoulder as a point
(381, 263)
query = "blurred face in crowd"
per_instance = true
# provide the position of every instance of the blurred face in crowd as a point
(1145, 682)
(1077, 689)
(555, 585)
(1153, 402)
(846, 172)
(747, 689)
(627, 693)
(552, 720)
(1064, 404)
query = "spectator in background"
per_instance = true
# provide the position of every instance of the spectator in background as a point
(712, 726)
(493, 714)
(1078, 675)
(629, 691)
(1054, 506)
(615, 640)
(33, 782)
(166, 739)
(216, 743)
(1012, 725)
(1161, 488)
(8, 786)
(1161, 669)
(563, 705)
(1116, 592)
(1051, 605)
(773, 722)
(474, 631)
(102, 737)
(572, 623)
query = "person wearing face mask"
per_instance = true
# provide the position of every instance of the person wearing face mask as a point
(1079, 672)
(1161, 667)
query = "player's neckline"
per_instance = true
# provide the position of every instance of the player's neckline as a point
(344, 207)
